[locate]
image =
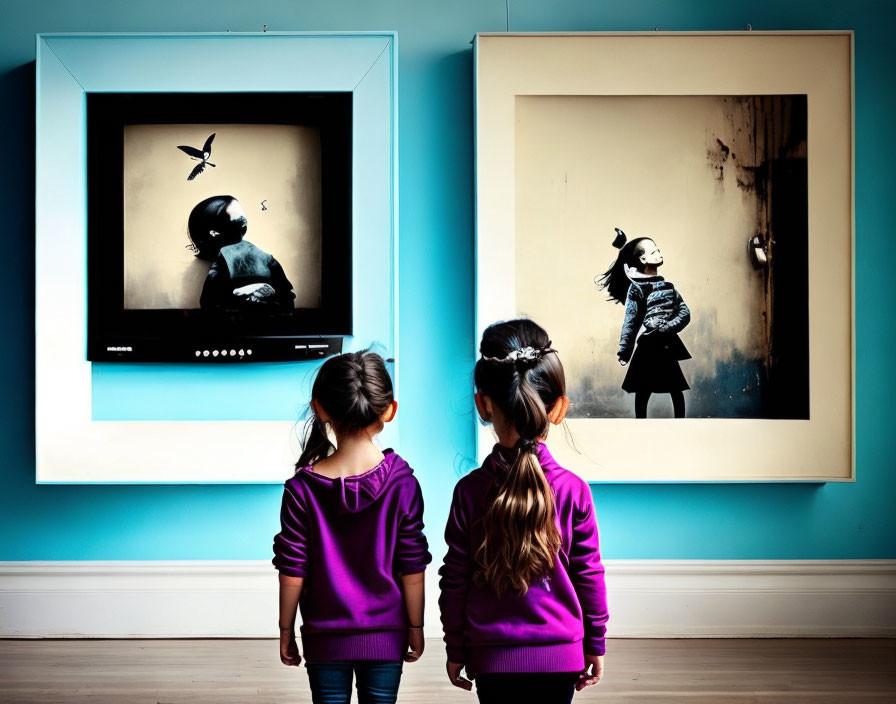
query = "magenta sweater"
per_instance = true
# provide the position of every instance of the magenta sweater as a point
(558, 620)
(352, 539)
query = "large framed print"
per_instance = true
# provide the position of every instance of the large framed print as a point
(265, 118)
(676, 210)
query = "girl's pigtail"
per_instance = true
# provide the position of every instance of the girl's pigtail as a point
(520, 537)
(317, 444)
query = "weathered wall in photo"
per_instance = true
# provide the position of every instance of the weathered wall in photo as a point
(695, 174)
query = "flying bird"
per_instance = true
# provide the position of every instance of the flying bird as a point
(200, 156)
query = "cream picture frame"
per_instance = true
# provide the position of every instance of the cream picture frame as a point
(818, 65)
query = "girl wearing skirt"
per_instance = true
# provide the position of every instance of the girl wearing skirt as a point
(654, 315)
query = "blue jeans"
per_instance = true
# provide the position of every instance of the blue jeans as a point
(331, 682)
(541, 687)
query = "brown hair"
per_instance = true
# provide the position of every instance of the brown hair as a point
(355, 390)
(524, 378)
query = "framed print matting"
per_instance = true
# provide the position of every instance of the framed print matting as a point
(676, 210)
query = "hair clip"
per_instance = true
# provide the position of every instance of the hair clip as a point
(528, 354)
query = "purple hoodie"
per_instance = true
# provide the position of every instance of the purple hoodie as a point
(559, 619)
(351, 539)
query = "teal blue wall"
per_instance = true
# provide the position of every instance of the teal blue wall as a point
(436, 306)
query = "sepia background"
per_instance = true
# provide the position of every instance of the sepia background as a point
(277, 164)
(701, 175)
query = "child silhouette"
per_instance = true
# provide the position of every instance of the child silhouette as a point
(241, 275)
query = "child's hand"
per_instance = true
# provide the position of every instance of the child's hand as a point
(416, 643)
(254, 292)
(454, 669)
(289, 649)
(595, 663)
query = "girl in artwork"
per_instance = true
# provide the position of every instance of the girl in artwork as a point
(654, 315)
(242, 276)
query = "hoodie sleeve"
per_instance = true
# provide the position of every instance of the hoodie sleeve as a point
(291, 543)
(457, 577)
(681, 318)
(412, 552)
(587, 574)
(634, 315)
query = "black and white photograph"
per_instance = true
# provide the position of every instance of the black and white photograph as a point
(678, 284)
(222, 216)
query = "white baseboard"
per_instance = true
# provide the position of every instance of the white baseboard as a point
(647, 598)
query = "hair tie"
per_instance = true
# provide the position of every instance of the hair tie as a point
(620, 238)
(527, 444)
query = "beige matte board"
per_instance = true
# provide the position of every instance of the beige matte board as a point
(733, 153)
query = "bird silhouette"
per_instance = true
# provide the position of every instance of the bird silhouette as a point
(200, 156)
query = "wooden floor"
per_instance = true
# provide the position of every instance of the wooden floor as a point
(248, 671)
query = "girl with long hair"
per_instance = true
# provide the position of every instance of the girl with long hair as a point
(523, 600)
(351, 552)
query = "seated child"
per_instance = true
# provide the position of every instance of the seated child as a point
(241, 275)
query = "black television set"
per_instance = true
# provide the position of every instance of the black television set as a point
(219, 226)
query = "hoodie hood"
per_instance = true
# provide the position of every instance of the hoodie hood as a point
(356, 493)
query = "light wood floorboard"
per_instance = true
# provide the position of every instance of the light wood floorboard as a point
(249, 672)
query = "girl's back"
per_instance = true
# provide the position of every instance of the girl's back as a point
(350, 537)
(523, 600)
(559, 618)
(351, 551)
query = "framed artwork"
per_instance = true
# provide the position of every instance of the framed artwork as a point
(170, 272)
(270, 103)
(676, 210)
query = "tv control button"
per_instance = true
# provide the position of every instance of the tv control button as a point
(317, 347)
(242, 353)
(301, 347)
(205, 353)
(215, 353)
(233, 353)
(198, 353)
(249, 352)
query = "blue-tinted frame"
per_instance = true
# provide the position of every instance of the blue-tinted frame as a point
(71, 65)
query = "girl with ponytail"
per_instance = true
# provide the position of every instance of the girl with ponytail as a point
(351, 551)
(523, 600)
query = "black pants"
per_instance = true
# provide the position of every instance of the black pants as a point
(526, 687)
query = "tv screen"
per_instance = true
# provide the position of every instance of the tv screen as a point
(219, 225)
